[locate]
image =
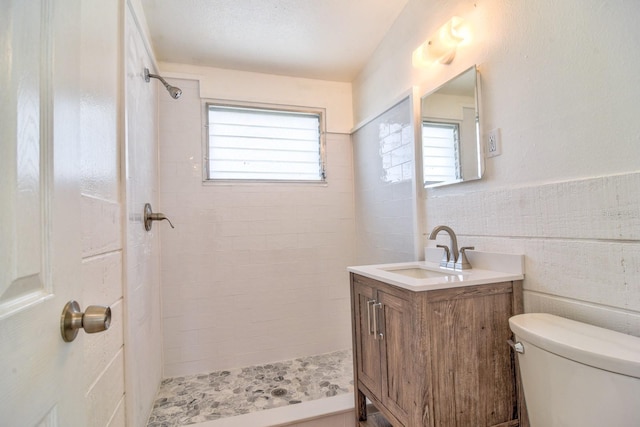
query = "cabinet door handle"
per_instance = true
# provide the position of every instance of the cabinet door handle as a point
(377, 334)
(369, 304)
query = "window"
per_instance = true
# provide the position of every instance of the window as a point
(249, 143)
(440, 152)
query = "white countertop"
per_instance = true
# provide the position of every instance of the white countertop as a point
(513, 266)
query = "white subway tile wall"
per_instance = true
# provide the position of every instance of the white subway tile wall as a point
(384, 187)
(252, 273)
(101, 376)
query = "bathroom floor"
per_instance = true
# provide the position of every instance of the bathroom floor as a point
(211, 396)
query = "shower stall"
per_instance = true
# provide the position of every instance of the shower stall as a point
(253, 273)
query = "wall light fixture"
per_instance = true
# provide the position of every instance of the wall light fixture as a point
(442, 45)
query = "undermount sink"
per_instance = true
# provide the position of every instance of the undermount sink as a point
(417, 272)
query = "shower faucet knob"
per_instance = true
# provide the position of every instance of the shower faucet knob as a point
(150, 216)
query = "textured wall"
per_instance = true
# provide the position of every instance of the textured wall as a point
(560, 81)
(581, 241)
(252, 273)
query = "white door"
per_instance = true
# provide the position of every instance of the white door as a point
(41, 376)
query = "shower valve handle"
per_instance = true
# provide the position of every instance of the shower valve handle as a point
(150, 216)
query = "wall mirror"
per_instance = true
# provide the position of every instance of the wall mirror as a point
(450, 132)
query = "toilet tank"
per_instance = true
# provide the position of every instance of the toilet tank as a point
(577, 375)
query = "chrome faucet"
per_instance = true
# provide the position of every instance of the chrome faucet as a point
(452, 258)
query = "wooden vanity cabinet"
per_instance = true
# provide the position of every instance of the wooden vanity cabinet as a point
(435, 358)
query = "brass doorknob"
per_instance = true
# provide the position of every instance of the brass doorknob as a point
(96, 318)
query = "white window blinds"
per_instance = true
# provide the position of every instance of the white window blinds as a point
(264, 144)
(440, 152)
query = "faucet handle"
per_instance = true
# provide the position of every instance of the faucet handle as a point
(445, 258)
(150, 216)
(463, 262)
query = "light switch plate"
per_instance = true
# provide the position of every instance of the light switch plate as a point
(494, 143)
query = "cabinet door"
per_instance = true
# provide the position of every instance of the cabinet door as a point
(367, 346)
(397, 367)
(473, 372)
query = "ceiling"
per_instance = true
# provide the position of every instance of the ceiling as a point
(319, 39)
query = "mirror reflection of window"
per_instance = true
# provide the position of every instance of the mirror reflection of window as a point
(440, 149)
(450, 114)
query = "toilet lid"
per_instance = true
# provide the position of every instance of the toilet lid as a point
(588, 344)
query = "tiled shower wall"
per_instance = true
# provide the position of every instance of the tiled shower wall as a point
(252, 273)
(143, 334)
(101, 376)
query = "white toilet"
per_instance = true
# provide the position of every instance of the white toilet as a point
(577, 375)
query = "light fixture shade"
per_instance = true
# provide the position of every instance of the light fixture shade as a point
(441, 46)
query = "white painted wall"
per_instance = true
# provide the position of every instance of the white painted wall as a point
(252, 273)
(560, 80)
(143, 333)
(219, 83)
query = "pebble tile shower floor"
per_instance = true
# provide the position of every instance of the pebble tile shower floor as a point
(211, 396)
